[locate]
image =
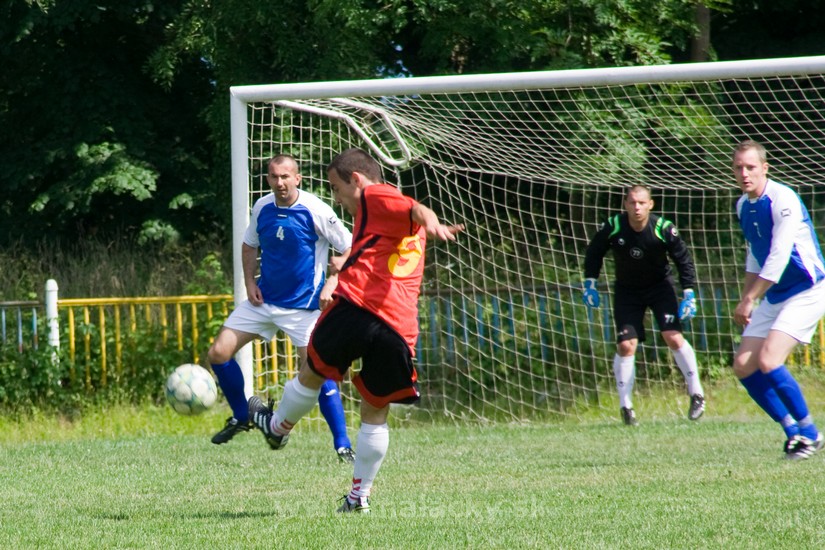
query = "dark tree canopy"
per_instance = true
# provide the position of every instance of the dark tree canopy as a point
(115, 112)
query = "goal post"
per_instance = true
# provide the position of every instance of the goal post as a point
(532, 163)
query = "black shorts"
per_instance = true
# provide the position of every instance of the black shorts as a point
(630, 304)
(346, 332)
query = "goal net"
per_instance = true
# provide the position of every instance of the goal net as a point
(533, 163)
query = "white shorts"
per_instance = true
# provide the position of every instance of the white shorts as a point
(797, 316)
(265, 320)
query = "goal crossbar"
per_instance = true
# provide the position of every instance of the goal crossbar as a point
(614, 76)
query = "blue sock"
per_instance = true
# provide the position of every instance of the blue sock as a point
(763, 394)
(790, 393)
(230, 379)
(329, 400)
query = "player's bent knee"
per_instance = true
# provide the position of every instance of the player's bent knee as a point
(673, 339)
(626, 348)
(216, 358)
(373, 415)
(218, 353)
(309, 378)
(742, 366)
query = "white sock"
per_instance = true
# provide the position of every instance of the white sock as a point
(371, 448)
(686, 360)
(624, 369)
(297, 401)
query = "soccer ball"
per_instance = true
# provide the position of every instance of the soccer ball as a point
(190, 389)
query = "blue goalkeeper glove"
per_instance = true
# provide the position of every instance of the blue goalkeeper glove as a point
(687, 308)
(591, 295)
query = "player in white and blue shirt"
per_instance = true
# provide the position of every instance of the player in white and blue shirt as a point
(785, 269)
(294, 231)
(294, 243)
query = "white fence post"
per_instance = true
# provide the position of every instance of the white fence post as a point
(51, 313)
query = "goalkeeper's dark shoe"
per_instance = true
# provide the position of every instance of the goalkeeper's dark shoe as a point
(629, 417)
(232, 428)
(345, 454)
(800, 447)
(261, 416)
(362, 506)
(697, 407)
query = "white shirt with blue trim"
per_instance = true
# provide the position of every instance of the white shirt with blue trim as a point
(782, 244)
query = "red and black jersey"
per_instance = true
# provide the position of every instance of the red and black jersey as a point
(386, 265)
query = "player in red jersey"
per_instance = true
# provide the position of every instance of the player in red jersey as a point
(373, 316)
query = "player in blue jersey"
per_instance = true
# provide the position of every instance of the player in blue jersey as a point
(293, 230)
(642, 243)
(784, 269)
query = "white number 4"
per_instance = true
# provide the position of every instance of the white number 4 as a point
(280, 232)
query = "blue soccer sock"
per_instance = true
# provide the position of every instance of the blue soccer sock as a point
(790, 393)
(763, 394)
(230, 379)
(329, 400)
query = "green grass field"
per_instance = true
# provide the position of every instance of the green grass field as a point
(146, 478)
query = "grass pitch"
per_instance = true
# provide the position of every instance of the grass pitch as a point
(146, 478)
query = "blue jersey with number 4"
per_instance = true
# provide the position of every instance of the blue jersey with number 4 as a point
(294, 242)
(782, 244)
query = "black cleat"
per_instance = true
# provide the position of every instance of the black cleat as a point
(697, 407)
(229, 431)
(360, 507)
(800, 447)
(346, 454)
(629, 417)
(261, 416)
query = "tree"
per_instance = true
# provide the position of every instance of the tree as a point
(96, 145)
(119, 109)
(467, 36)
(759, 29)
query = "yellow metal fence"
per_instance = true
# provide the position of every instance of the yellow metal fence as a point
(98, 327)
(95, 331)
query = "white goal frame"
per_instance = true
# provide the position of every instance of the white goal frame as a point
(290, 95)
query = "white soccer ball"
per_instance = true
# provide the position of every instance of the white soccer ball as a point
(190, 389)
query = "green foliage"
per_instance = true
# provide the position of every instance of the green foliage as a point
(133, 371)
(465, 36)
(34, 379)
(209, 277)
(147, 362)
(105, 149)
(118, 109)
(785, 29)
(109, 169)
(158, 232)
(98, 268)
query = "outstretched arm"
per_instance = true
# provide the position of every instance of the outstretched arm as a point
(427, 219)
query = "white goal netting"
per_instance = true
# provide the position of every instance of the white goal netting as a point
(532, 166)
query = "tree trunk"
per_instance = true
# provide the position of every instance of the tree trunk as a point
(700, 45)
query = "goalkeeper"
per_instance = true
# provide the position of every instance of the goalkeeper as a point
(641, 243)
